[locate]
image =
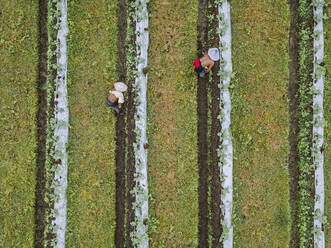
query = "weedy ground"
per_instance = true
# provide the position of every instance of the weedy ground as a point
(91, 73)
(327, 131)
(172, 113)
(260, 122)
(18, 107)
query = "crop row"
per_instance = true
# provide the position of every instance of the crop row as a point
(225, 150)
(310, 117)
(318, 124)
(136, 62)
(57, 126)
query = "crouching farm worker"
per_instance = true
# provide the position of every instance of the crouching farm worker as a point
(116, 97)
(204, 65)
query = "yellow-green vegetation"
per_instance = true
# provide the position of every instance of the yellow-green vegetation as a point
(327, 130)
(172, 112)
(18, 106)
(260, 123)
(91, 71)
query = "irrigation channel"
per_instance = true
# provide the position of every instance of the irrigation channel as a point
(131, 148)
(53, 118)
(307, 124)
(216, 176)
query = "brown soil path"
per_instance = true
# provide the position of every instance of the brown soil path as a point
(202, 112)
(120, 132)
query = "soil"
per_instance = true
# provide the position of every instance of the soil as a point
(131, 168)
(202, 110)
(215, 184)
(120, 134)
(293, 106)
(40, 204)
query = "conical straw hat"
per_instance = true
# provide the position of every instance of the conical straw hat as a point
(214, 54)
(120, 86)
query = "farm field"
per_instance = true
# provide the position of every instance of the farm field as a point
(19, 106)
(192, 161)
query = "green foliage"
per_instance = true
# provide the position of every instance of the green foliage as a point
(305, 124)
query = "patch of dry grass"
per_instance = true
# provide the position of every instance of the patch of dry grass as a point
(173, 169)
(260, 123)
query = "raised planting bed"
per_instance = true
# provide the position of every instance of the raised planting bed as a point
(51, 214)
(318, 125)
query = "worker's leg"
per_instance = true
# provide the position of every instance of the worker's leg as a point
(114, 105)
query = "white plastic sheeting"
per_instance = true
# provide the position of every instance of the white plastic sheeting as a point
(227, 150)
(61, 132)
(141, 194)
(318, 129)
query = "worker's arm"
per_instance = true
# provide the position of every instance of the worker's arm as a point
(209, 66)
(120, 105)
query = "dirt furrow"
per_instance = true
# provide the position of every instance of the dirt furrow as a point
(120, 157)
(202, 110)
(215, 184)
(40, 204)
(293, 125)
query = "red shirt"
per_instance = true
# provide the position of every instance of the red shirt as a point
(196, 63)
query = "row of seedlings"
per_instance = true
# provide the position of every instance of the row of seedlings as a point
(304, 117)
(225, 150)
(137, 54)
(57, 125)
(318, 124)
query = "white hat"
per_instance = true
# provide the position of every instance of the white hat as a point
(120, 86)
(214, 54)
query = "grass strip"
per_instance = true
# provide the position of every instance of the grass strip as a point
(327, 130)
(91, 72)
(173, 175)
(259, 121)
(18, 109)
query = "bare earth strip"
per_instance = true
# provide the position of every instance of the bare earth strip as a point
(327, 115)
(173, 171)
(18, 107)
(260, 123)
(92, 47)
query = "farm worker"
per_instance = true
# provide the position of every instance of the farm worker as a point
(116, 97)
(204, 65)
